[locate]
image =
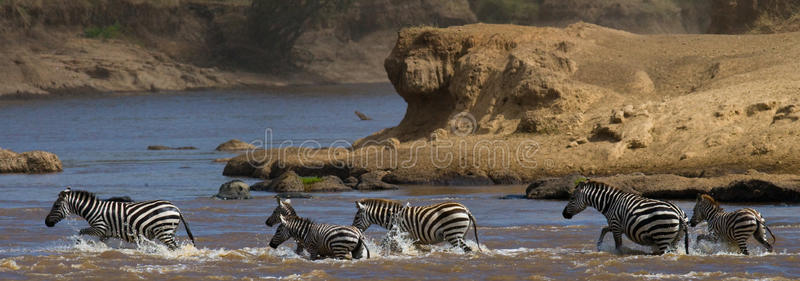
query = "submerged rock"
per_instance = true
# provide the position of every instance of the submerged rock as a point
(234, 190)
(362, 116)
(293, 195)
(163, 147)
(260, 186)
(552, 188)
(29, 162)
(235, 145)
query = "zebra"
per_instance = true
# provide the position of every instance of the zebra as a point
(123, 220)
(643, 220)
(284, 208)
(448, 221)
(733, 227)
(320, 240)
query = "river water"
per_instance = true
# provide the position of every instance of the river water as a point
(102, 141)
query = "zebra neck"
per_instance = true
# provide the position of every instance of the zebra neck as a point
(603, 198)
(389, 217)
(713, 213)
(299, 229)
(83, 206)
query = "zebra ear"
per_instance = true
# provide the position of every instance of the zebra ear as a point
(360, 206)
(278, 199)
(287, 201)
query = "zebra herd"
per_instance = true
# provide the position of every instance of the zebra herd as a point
(645, 221)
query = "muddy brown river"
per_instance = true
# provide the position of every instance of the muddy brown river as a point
(102, 142)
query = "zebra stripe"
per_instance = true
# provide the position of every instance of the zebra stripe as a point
(430, 224)
(733, 227)
(321, 240)
(644, 221)
(123, 220)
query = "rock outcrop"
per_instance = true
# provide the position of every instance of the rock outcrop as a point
(374, 181)
(499, 104)
(29, 162)
(286, 182)
(328, 184)
(750, 187)
(234, 190)
(235, 145)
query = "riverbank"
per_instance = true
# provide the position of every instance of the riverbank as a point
(493, 104)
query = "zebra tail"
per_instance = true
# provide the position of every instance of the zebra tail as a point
(770, 233)
(475, 229)
(186, 226)
(363, 243)
(686, 236)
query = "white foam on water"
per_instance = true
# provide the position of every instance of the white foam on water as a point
(660, 276)
(8, 264)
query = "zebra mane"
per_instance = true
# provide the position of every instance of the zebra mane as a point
(372, 201)
(710, 199)
(597, 184)
(302, 219)
(84, 193)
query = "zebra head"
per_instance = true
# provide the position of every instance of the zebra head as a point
(361, 220)
(60, 209)
(284, 208)
(281, 235)
(703, 208)
(291, 226)
(577, 201)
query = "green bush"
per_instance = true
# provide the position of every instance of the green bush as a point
(106, 32)
(310, 180)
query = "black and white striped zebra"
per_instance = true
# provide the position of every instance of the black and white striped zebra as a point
(448, 221)
(123, 220)
(644, 221)
(321, 240)
(284, 208)
(732, 227)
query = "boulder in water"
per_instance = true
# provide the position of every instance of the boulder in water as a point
(362, 116)
(235, 145)
(29, 162)
(234, 190)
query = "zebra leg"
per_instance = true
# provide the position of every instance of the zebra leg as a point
(299, 250)
(458, 241)
(603, 233)
(168, 238)
(617, 240)
(742, 243)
